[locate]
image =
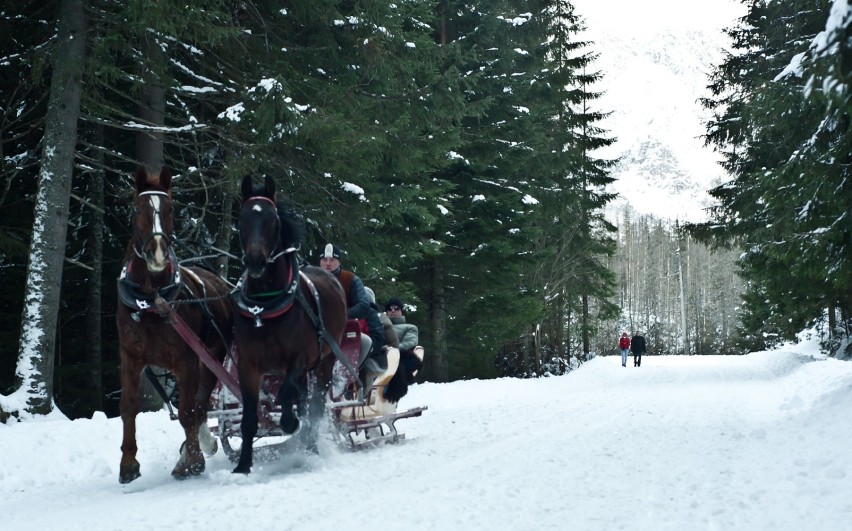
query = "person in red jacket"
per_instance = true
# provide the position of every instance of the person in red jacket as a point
(624, 347)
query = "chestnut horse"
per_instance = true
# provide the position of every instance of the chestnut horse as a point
(199, 296)
(287, 319)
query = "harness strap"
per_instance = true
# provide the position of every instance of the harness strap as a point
(202, 301)
(155, 382)
(139, 302)
(261, 306)
(322, 333)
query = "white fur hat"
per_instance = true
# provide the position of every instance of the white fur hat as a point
(370, 294)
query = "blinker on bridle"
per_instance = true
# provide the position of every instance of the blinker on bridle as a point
(139, 250)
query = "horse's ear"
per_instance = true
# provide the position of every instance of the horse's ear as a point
(166, 178)
(270, 187)
(141, 179)
(246, 187)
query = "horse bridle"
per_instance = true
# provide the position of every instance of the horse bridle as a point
(275, 256)
(139, 251)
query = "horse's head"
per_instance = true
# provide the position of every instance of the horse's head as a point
(259, 225)
(152, 218)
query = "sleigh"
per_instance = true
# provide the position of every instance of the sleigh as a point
(365, 417)
(358, 417)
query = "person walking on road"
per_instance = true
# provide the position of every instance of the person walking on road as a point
(624, 347)
(637, 345)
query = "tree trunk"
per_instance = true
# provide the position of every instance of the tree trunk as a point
(438, 316)
(149, 152)
(682, 297)
(152, 113)
(223, 238)
(94, 312)
(36, 353)
(567, 354)
(537, 351)
(584, 329)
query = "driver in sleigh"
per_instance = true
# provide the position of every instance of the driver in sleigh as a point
(373, 360)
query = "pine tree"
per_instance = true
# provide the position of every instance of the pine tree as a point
(576, 240)
(788, 204)
(488, 225)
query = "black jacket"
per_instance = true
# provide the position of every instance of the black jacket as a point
(637, 344)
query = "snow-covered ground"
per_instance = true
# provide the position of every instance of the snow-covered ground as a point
(723, 442)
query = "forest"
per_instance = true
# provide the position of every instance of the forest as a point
(448, 147)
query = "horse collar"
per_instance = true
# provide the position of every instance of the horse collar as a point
(131, 295)
(259, 306)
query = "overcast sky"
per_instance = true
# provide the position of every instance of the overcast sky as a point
(634, 17)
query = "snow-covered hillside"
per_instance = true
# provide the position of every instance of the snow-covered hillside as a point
(757, 442)
(655, 57)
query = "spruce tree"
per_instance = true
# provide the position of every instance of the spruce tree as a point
(788, 152)
(576, 229)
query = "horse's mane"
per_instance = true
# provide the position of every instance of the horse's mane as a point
(293, 230)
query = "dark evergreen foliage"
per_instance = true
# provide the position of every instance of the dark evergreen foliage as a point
(782, 122)
(444, 145)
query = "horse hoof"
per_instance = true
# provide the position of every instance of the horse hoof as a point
(128, 473)
(183, 471)
(289, 426)
(242, 470)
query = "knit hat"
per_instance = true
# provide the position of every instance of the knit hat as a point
(394, 302)
(329, 251)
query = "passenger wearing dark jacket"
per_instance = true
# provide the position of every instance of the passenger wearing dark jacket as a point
(409, 362)
(373, 355)
(637, 345)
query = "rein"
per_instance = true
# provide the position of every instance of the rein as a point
(322, 334)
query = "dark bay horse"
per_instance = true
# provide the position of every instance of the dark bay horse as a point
(199, 296)
(285, 319)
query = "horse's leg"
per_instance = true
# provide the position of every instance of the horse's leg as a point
(191, 462)
(317, 383)
(289, 397)
(249, 388)
(202, 399)
(131, 368)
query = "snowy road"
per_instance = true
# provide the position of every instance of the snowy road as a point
(754, 442)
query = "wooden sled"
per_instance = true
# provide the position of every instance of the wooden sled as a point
(360, 422)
